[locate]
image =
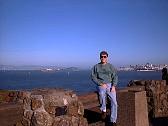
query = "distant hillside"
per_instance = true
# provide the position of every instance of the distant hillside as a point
(35, 67)
(27, 67)
(71, 69)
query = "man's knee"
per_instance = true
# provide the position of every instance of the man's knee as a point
(114, 103)
(101, 93)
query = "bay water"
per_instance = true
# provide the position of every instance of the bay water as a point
(78, 81)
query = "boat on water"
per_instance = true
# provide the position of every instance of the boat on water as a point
(49, 70)
(146, 70)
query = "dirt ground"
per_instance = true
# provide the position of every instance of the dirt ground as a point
(10, 113)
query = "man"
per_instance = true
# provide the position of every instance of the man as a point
(104, 75)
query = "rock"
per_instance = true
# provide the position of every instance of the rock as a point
(41, 118)
(28, 114)
(63, 121)
(27, 103)
(52, 107)
(18, 124)
(37, 102)
(26, 122)
(70, 121)
(76, 109)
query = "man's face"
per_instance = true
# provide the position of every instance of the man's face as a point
(103, 59)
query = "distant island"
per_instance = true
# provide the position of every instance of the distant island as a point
(41, 68)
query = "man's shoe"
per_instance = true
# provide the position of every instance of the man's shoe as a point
(112, 124)
(103, 116)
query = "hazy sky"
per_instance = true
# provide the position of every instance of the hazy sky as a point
(73, 32)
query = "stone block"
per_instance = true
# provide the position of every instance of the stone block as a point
(132, 108)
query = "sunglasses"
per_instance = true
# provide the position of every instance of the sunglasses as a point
(103, 56)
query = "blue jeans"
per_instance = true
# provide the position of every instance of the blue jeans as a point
(112, 96)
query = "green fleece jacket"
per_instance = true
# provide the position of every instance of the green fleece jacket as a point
(104, 73)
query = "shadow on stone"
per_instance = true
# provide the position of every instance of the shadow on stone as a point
(162, 121)
(92, 116)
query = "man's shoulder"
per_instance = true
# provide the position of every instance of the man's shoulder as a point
(109, 64)
(112, 67)
(97, 65)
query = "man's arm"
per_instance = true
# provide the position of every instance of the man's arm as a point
(114, 76)
(114, 79)
(114, 82)
(94, 76)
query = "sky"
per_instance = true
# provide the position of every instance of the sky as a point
(73, 32)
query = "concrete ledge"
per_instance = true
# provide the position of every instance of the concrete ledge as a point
(132, 108)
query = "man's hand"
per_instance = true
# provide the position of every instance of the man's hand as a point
(104, 86)
(113, 89)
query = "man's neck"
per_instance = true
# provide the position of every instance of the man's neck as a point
(103, 63)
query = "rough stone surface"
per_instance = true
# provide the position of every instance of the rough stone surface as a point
(69, 121)
(41, 118)
(37, 102)
(157, 96)
(51, 107)
(11, 113)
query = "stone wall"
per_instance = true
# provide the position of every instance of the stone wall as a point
(157, 95)
(57, 107)
(52, 107)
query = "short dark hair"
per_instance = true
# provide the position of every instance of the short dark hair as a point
(103, 53)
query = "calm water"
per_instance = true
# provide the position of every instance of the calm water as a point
(79, 81)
